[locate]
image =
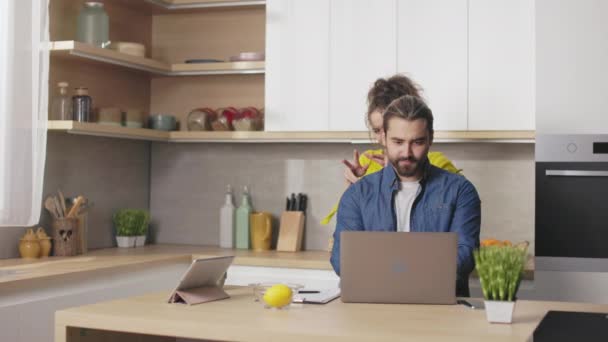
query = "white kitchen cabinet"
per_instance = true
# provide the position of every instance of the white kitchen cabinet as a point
(572, 68)
(297, 65)
(363, 47)
(9, 319)
(432, 50)
(311, 279)
(502, 65)
(33, 304)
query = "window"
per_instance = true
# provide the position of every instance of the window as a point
(24, 69)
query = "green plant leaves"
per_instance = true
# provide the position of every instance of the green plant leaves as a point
(131, 222)
(500, 269)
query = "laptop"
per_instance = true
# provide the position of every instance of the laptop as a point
(398, 268)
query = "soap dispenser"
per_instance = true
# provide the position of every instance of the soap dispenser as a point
(227, 221)
(242, 221)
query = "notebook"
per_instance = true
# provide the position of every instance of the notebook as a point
(323, 297)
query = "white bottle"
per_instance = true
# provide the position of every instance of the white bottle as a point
(227, 221)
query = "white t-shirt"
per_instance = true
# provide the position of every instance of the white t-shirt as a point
(403, 204)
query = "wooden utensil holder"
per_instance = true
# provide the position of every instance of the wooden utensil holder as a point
(66, 237)
(291, 231)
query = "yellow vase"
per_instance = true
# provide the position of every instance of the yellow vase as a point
(29, 247)
(45, 247)
(45, 242)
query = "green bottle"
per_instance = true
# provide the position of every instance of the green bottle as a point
(242, 221)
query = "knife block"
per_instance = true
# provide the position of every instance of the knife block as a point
(291, 231)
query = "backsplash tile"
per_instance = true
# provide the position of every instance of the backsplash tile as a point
(112, 173)
(188, 182)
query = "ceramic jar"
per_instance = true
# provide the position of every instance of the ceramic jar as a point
(45, 243)
(29, 247)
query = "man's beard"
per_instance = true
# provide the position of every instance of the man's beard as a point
(410, 170)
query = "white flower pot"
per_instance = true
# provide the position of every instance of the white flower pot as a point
(140, 241)
(499, 311)
(125, 241)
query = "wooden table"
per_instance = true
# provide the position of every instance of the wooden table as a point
(241, 319)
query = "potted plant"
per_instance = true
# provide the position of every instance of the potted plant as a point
(142, 229)
(131, 224)
(500, 267)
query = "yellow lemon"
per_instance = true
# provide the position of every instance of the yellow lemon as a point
(278, 296)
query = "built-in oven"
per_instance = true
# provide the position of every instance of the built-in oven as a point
(571, 223)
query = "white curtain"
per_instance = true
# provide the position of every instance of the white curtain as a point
(24, 70)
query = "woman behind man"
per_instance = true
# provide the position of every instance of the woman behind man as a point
(379, 97)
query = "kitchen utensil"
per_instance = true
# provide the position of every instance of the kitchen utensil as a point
(49, 204)
(84, 208)
(58, 207)
(302, 203)
(62, 202)
(163, 122)
(292, 207)
(260, 231)
(75, 207)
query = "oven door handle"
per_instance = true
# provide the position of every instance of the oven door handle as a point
(576, 173)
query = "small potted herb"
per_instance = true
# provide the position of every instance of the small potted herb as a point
(500, 268)
(131, 225)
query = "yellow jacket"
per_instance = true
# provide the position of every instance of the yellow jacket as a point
(437, 159)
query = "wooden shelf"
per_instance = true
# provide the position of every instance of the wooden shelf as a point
(189, 5)
(96, 129)
(269, 137)
(75, 49)
(347, 137)
(168, 7)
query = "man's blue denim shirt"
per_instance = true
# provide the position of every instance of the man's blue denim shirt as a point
(446, 202)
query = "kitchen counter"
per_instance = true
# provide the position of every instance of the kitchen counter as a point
(12, 270)
(239, 318)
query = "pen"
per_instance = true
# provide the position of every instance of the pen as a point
(307, 291)
(465, 303)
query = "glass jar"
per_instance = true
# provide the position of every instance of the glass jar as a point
(61, 107)
(200, 119)
(93, 25)
(82, 105)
